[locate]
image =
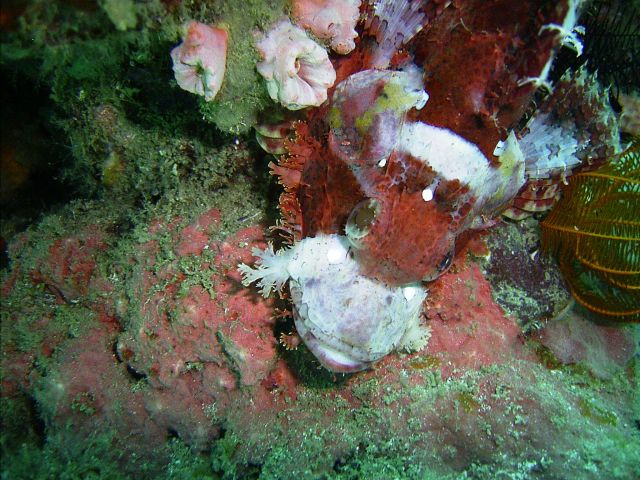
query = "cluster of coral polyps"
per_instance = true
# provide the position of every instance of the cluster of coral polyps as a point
(295, 67)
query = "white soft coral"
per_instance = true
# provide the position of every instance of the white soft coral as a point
(331, 20)
(270, 272)
(297, 69)
(199, 61)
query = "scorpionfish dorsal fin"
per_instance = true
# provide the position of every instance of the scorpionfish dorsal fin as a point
(393, 23)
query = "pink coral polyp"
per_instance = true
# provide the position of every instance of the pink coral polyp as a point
(331, 20)
(199, 61)
(297, 69)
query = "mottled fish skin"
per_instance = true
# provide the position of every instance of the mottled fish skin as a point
(423, 185)
(348, 320)
(366, 116)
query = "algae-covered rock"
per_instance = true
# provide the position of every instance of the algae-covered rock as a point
(121, 12)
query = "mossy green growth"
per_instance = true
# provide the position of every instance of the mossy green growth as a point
(597, 414)
(185, 464)
(425, 362)
(243, 94)
(126, 130)
(389, 439)
(120, 158)
(94, 458)
(467, 402)
(83, 403)
(76, 51)
(113, 170)
(121, 12)
(525, 283)
(30, 314)
(223, 459)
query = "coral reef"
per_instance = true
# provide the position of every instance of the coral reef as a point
(121, 12)
(129, 347)
(167, 344)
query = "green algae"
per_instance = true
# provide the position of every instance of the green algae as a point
(243, 94)
(597, 414)
(185, 464)
(93, 459)
(384, 432)
(121, 12)
(83, 403)
(376, 447)
(128, 129)
(425, 362)
(467, 401)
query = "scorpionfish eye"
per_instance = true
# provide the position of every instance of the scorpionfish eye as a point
(441, 267)
(360, 220)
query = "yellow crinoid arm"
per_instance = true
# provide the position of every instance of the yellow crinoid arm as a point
(595, 231)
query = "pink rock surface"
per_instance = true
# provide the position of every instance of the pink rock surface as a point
(196, 347)
(604, 349)
(69, 268)
(161, 354)
(90, 389)
(468, 329)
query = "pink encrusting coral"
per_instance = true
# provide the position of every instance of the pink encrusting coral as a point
(196, 341)
(297, 69)
(468, 328)
(331, 20)
(199, 61)
(196, 349)
(603, 349)
(68, 271)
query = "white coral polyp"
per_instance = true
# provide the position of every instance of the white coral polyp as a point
(297, 69)
(199, 61)
(331, 20)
